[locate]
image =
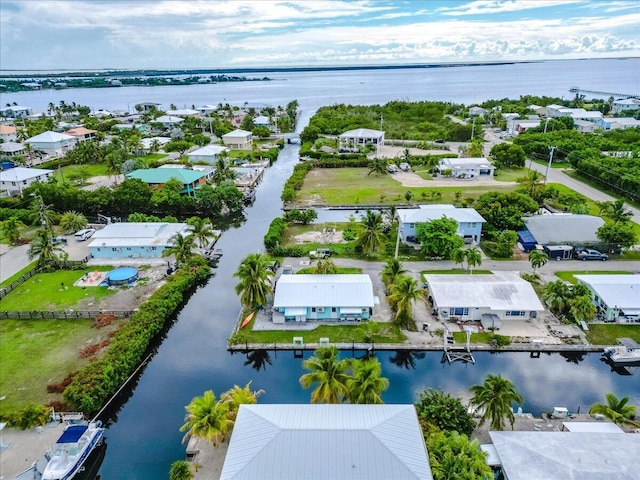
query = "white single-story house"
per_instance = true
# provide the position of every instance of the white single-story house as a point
(135, 240)
(519, 125)
(82, 134)
(338, 297)
(625, 104)
(184, 112)
(584, 455)
(353, 139)
(564, 228)
(15, 111)
(206, 109)
(469, 221)
(575, 113)
(484, 297)
(168, 121)
(238, 139)
(466, 167)
(617, 297)
(319, 442)
(52, 143)
(149, 141)
(11, 148)
(8, 133)
(148, 106)
(477, 111)
(101, 113)
(618, 123)
(261, 121)
(584, 126)
(17, 179)
(209, 154)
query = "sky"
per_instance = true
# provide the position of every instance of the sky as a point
(159, 34)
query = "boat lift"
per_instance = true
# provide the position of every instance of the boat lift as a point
(453, 352)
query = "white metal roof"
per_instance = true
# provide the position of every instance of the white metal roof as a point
(50, 137)
(621, 291)
(592, 427)
(348, 290)
(363, 133)
(479, 162)
(137, 234)
(568, 455)
(501, 291)
(209, 150)
(236, 133)
(19, 174)
(147, 142)
(169, 119)
(563, 228)
(426, 213)
(11, 147)
(318, 442)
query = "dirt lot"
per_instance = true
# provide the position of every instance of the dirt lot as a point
(318, 237)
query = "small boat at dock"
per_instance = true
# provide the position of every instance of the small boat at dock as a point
(71, 450)
(626, 354)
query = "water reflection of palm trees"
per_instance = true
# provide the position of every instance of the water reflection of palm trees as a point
(573, 357)
(406, 358)
(258, 359)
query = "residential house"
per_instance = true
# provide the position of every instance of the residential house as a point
(353, 140)
(15, 111)
(8, 133)
(207, 109)
(184, 112)
(17, 179)
(466, 167)
(618, 123)
(477, 112)
(135, 240)
(317, 442)
(623, 104)
(156, 177)
(563, 229)
(208, 154)
(148, 106)
(469, 221)
(519, 125)
(262, 121)
(617, 297)
(584, 126)
(11, 149)
(555, 111)
(487, 298)
(82, 134)
(168, 121)
(148, 142)
(323, 297)
(238, 140)
(100, 113)
(52, 143)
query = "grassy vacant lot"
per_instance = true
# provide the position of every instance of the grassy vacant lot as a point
(352, 186)
(570, 276)
(510, 174)
(606, 334)
(36, 353)
(89, 170)
(44, 291)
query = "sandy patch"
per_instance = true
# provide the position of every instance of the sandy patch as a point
(319, 237)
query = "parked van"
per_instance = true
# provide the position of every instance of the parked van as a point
(82, 235)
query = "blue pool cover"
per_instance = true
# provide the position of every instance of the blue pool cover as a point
(122, 273)
(72, 434)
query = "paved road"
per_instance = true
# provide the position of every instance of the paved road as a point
(13, 260)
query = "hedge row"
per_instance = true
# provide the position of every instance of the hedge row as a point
(284, 251)
(100, 379)
(295, 181)
(275, 233)
(22, 214)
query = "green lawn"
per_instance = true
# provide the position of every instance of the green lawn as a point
(35, 353)
(352, 186)
(382, 333)
(71, 172)
(341, 270)
(583, 179)
(554, 164)
(510, 174)
(606, 334)
(44, 291)
(456, 271)
(16, 276)
(570, 276)
(152, 157)
(424, 174)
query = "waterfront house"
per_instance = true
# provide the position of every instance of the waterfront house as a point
(52, 143)
(82, 134)
(486, 298)
(135, 240)
(156, 177)
(208, 154)
(466, 167)
(317, 442)
(617, 297)
(8, 133)
(168, 121)
(15, 111)
(14, 180)
(238, 140)
(618, 123)
(148, 106)
(469, 221)
(562, 229)
(206, 109)
(11, 149)
(323, 297)
(623, 104)
(353, 140)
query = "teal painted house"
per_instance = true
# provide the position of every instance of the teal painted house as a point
(156, 177)
(332, 298)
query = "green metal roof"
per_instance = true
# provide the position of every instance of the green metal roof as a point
(163, 175)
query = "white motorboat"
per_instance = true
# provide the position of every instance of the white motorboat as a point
(71, 450)
(622, 355)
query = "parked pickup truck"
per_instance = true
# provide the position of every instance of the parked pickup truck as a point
(591, 255)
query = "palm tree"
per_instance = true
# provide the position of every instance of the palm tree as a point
(474, 258)
(459, 255)
(329, 373)
(371, 237)
(404, 292)
(616, 410)
(72, 221)
(582, 308)
(325, 266)
(532, 183)
(366, 385)
(255, 280)
(239, 396)
(538, 259)
(556, 295)
(202, 230)
(495, 397)
(10, 229)
(617, 212)
(207, 418)
(392, 270)
(181, 246)
(43, 247)
(377, 166)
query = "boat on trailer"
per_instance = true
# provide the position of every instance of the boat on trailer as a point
(71, 450)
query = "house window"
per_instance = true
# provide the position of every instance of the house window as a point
(129, 249)
(471, 225)
(515, 313)
(114, 249)
(459, 311)
(412, 225)
(334, 309)
(153, 248)
(313, 309)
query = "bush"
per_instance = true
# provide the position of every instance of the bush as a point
(499, 340)
(296, 180)
(29, 417)
(283, 251)
(447, 413)
(275, 233)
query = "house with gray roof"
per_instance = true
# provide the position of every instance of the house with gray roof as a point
(318, 442)
(208, 153)
(52, 143)
(14, 180)
(617, 297)
(466, 167)
(469, 221)
(339, 297)
(564, 229)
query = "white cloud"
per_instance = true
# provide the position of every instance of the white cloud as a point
(485, 7)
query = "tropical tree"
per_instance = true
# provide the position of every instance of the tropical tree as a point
(495, 397)
(556, 295)
(446, 413)
(223, 170)
(207, 418)
(371, 238)
(403, 293)
(474, 258)
(538, 259)
(453, 456)
(458, 256)
(10, 229)
(582, 308)
(438, 237)
(616, 410)
(180, 470)
(329, 373)
(616, 211)
(532, 184)
(180, 246)
(43, 247)
(325, 266)
(391, 271)
(237, 396)
(255, 280)
(72, 221)
(201, 230)
(366, 385)
(378, 166)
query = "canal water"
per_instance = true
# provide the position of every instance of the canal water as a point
(143, 428)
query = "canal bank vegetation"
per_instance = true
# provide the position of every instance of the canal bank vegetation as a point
(608, 333)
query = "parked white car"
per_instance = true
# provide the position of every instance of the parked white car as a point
(82, 235)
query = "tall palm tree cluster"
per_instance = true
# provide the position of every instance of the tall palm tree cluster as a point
(564, 300)
(357, 381)
(254, 285)
(182, 246)
(403, 292)
(472, 256)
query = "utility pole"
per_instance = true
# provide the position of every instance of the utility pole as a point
(546, 123)
(546, 174)
(473, 128)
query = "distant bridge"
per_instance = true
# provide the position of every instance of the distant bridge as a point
(581, 92)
